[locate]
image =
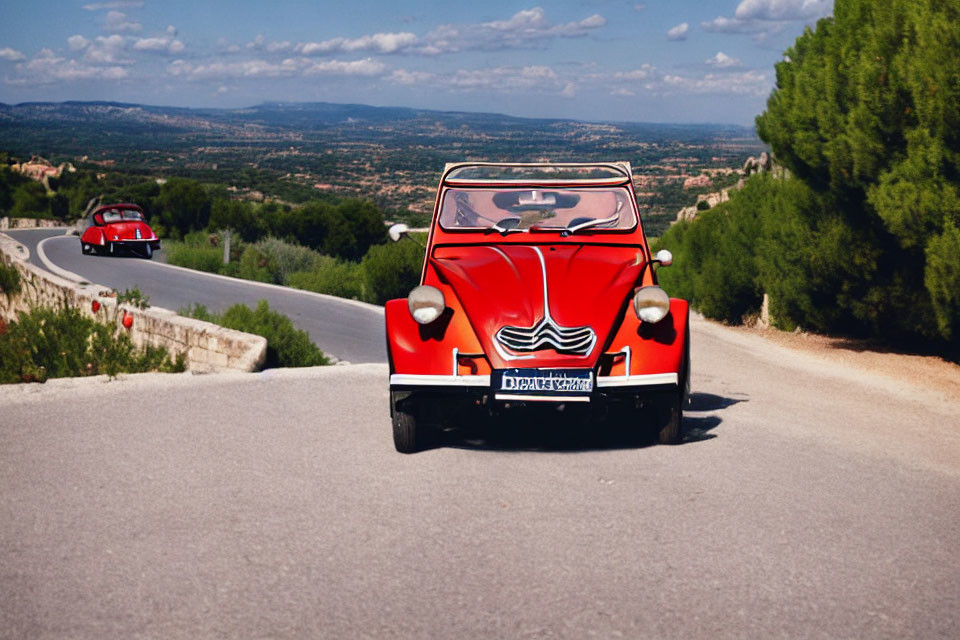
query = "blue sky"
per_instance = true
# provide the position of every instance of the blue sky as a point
(655, 61)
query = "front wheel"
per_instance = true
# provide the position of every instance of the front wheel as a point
(670, 421)
(406, 437)
(670, 412)
(147, 251)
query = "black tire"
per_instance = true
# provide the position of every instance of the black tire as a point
(147, 251)
(406, 437)
(670, 421)
(670, 413)
(85, 248)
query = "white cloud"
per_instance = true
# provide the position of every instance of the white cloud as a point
(643, 73)
(265, 69)
(722, 61)
(535, 78)
(114, 4)
(783, 9)
(108, 50)
(77, 43)
(404, 77)
(117, 22)
(678, 32)
(171, 30)
(11, 54)
(762, 18)
(721, 24)
(639, 7)
(245, 69)
(160, 44)
(376, 43)
(569, 91)
(523, 30)
(274, 47)
(365, 67)
(622, 92)
(533, 24)
(747, 82)
(46, 67)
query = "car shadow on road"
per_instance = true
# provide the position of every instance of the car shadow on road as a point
(551, 431)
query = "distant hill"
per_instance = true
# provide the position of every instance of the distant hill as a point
(320, 115)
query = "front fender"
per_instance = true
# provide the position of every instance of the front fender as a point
(417, 349)
(654, 348)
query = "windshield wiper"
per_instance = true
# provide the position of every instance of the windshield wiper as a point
(512, 225)
(595, 222)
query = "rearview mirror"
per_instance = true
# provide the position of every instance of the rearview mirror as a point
(397, 231)
(664, 257)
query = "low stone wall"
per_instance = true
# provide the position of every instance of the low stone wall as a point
(208, 347)
(28, 223)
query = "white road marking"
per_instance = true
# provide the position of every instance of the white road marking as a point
(60, 271)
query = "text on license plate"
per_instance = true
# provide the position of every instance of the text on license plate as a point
(533, 381)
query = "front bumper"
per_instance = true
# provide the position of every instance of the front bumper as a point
(605, 387)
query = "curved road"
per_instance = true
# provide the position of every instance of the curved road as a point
(811, 499)
(350, 331)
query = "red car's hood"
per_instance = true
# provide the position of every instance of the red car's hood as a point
(128, 230)
(503, 286)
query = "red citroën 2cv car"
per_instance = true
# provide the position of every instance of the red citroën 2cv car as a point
(538, 289)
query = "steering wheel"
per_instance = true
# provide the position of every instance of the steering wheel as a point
(508, 223)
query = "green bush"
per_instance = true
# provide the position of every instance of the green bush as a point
(331, 276)
(256, 265)
(391, 270)
(193, 257)
(288, 258)
(287, 346)
(57, 343)
(9, 279)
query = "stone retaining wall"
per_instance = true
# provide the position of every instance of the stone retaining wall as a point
(27, 223)
(208, 347)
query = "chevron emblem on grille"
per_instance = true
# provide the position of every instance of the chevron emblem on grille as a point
(546, 333)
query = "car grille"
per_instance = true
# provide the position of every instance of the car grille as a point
(546, 334)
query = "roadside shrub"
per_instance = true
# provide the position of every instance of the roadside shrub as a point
(62, 342)
(193, 257)
(288, 257)
(391, 270)
(9, 279)
(256, 265)
(287, 346)
(331, 276)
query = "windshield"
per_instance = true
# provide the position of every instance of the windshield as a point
(116, 215)
(499, 209)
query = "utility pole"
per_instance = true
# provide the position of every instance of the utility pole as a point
(226, 246)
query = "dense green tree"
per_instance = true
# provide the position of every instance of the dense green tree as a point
(865, 115)
(30, 201)
(184, 206)
(239, 216)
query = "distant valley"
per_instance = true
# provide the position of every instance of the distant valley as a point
(293, 152)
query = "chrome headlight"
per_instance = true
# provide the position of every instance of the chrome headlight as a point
(651, 304)
(426, 303)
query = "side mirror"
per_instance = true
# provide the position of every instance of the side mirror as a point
(664, 257)
(397, 231)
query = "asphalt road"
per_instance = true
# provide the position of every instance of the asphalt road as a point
(810, 500)
(350, 331)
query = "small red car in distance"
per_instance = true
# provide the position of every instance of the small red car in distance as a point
(538, 289)
(114, 228)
